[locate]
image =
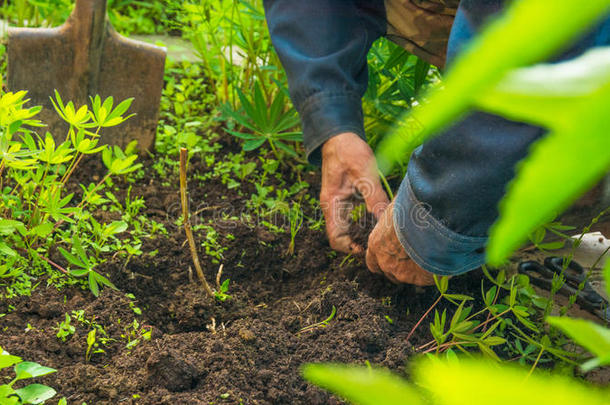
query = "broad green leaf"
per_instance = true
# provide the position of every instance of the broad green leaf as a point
(8, 226)
(28, 369)
(35, 393)
(11, 400)
(116, 227)
(6, 360)
(42, 230)
(6, 250)
(553, 176)
(591, 336)
(472, 382)
(362, 385)
(525, 94)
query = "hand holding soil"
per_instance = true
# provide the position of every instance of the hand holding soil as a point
(385, 255)
(348, 168)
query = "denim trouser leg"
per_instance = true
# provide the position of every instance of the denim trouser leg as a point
(448, 199)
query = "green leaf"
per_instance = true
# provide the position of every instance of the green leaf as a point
(253, 144)
(286, 148)
(71, 258)
(35, 393)
(28, 369)
(6, 360)
(116, 227)
(7, 395)
(42, 230)
(6, 250)
(362, 385)
(8, 226)
(459, 297)
(476, 382)
(591, 336)
(553, 176)
(80, 251)
(93, 286)
(104, 281)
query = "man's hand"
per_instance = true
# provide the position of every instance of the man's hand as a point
(348, 165)
(386, 255)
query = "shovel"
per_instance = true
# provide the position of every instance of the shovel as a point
(84, 57)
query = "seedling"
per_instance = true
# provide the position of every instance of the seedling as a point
(221, 288)
(35, 212)
(318, 325)
(295, 216)
(65, 329)
(221, 293)
(90, 343)
(85, 266)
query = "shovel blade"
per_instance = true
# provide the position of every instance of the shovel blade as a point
(132, 69)
(80, 61)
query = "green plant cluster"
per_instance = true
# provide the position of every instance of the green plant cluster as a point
(38, 213)
(24, 370)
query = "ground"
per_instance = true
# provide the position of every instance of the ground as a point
(248, 349)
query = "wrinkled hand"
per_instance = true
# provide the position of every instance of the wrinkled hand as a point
(348, 166)
(386, 255)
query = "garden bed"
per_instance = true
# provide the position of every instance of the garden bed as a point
(254, 352)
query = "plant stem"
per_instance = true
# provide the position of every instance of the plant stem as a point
(536, 362)
(446, 346)
(187, 223)
(57, 266)
(388, 189)
(424, 317)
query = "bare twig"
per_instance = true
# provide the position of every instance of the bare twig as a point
(57, 266)
(218, 275)
(212, 327)
(187, 223)
(424, 317)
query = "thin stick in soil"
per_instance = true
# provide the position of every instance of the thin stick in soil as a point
(187, 223)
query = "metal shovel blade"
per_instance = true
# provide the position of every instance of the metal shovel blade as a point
(84, 57)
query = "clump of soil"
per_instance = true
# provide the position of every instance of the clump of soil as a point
(360, 229)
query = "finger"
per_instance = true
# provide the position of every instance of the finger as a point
(411, 273)
(374, 196)
(356, 248)
(371, 262)
(336, 212)
(391, 277)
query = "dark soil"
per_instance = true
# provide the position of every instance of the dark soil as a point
(360, 229)
(248, 349)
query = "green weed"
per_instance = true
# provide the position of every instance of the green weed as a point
(24, 370)
(36, 213)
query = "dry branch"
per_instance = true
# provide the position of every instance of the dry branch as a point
(187, 222)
